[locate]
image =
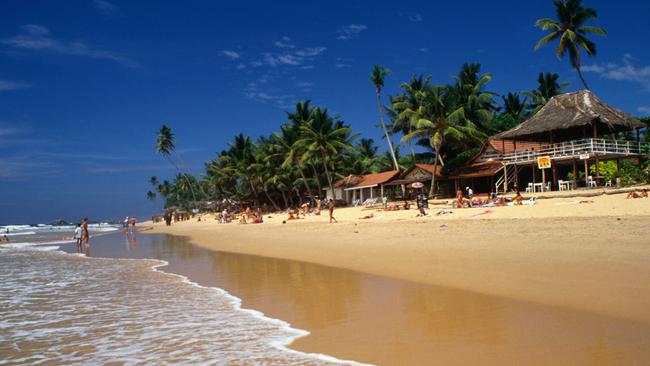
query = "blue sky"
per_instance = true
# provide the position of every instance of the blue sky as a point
(84, 85)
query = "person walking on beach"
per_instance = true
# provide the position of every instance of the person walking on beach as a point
(125, 224)
(77, 237)
(85, 235)
(133, 221)
(330, 207)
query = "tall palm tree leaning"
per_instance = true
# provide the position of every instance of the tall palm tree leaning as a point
(165, 147)
(571, 32)
(377, 77)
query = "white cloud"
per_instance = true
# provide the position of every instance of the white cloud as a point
(423, 49)
(625, 70)
(644, 109)
(284, 42)
(6, 85)
(38, 38)
(411, 16)
(106, 8)
(231, 54)
(350, 31)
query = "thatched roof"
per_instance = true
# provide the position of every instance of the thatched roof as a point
(569, 111)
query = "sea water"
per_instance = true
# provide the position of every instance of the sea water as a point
(63, 308)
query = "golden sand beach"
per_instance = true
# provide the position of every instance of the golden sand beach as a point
(585, 258)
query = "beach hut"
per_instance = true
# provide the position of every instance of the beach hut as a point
(361, 187)
(570, 132)
(420, 173)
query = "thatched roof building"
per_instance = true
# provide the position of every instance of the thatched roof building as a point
(571, 115)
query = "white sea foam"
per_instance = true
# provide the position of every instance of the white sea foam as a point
(72, 310)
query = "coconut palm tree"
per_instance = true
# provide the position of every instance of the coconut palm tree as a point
(165, 146)
(514, 106)
(469, 90)
(548, 86)
(571, 32)
(377, 78)
(440, 119)
(324, 137)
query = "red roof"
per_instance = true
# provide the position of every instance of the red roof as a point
(429, 168)
(485, 169)
(508, 146)
(366, 180)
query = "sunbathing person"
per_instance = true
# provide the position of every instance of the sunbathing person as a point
(258, 218)
(460, 200)
(392, 207)
(518, 198)
(242, 219)
(407, 205)
(638, 194)
(370, 216)
(292, 215)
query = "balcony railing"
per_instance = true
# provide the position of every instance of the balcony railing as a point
(586, 148)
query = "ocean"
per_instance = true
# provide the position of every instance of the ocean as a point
(118, 307)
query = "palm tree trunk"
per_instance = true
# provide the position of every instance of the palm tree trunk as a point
(383, 125)
(327, 174)
(582, 78)
(320, 188)
(184, 176)
(433, 174)
(275, 205)
(304, 180)
(284, 198)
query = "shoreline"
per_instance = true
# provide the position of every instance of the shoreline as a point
(592, 263)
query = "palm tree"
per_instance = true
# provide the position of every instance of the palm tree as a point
(377, 78)
(286, 147)
(324, 137)
(478, 105)
(439, 118)
(571, 32)
(514, 106)
(165, 147)
(548, 86)
(412, 91)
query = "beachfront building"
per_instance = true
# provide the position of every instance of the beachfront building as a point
(417, 179)
(570, 133)
(358, 188)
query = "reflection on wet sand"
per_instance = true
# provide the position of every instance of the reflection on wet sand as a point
(380, 320)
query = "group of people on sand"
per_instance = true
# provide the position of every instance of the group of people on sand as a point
(305, 210)
(254, 217)
(490, 200)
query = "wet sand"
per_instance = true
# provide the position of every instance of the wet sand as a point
(388, 321)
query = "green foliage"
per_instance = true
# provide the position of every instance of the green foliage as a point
(503, 122)
(459, 160)
(630, 172)
(570, 31)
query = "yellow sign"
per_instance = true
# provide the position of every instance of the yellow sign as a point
(544, 162)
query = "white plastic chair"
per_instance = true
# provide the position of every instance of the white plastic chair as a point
(548, 187)
(529, 189)
(591, 183)
(560, 184)
(608, 183)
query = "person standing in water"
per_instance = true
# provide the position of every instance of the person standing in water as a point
(85, 235)
(330, 207)
(78, 236)
(133, 220)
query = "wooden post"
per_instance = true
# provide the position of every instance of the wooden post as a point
(575, 173)
(554, 182)
(382, 191)
(505, 180)
(543, 179)
(534, 174)
(586, 170)
(517, 176)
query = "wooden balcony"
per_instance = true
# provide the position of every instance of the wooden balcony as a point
(579, 149)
